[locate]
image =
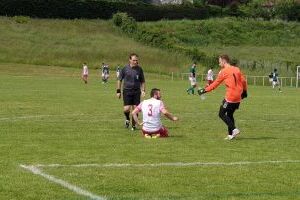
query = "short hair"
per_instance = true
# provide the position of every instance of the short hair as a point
(132, 54)
(154, 91)
(225, 57)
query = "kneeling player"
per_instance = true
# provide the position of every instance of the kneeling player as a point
(151, 109)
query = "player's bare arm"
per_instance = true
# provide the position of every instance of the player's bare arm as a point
(169, 115)
(143, 89)
(135, 117)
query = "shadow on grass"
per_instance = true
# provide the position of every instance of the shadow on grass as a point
(176, 136)
(257, 138)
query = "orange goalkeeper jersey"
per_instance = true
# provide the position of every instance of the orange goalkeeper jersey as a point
(234, 81)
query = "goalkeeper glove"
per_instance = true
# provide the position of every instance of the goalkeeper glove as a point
(244, 94)
(201, 91)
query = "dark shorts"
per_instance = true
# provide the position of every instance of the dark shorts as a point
(229, 106)
(131, 97)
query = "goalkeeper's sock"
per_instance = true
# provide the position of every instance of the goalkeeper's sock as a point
(127, 115)
(193, 91)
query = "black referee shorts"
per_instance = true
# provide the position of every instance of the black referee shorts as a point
(131, 97)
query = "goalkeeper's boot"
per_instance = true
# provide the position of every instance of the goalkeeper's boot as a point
(229, 137)
(235, 132)
(127, 123)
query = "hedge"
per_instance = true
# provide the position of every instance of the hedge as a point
(91, 9)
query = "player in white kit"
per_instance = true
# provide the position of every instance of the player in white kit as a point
(151, 109)
(85, 73)
(209, 77)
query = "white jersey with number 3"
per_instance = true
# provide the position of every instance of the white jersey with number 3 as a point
(151, 109)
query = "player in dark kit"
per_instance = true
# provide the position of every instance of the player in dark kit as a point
(105, 73)
(132, 77)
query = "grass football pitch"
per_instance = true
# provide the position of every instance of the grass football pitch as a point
(48, 116)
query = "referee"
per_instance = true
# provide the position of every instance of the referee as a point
(133, 87)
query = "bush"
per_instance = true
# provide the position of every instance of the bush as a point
(125, 22)
(288, 10)
(117, 18)
(90, 9)
(21, 19)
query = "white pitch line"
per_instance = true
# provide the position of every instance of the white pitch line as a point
(175, 164)
(37, 116)
(44, 116)
(78, 190)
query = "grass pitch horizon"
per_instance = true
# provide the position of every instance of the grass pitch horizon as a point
(49, 116)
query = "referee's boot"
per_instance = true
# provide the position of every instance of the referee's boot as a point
(133, 128)
(127, 123)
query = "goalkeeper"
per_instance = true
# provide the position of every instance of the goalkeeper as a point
(236, 89)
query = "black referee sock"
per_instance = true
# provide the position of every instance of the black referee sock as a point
(127, 115)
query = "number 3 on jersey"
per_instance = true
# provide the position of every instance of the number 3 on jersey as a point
(150, 106)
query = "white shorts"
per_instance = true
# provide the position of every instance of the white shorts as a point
(193, 81)
(105, 76)
(275, 83)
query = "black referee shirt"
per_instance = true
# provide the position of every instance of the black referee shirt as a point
(132, 77)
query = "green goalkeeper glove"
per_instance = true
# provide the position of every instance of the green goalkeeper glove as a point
(201, 91)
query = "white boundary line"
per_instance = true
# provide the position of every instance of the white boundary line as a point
(78, 190)
(20, 118)
(35, 169)
(175, 164)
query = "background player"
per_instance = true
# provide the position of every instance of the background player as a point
(85, 73)
(275, 80)
(192, 79)
(209, 76)
(105, 73)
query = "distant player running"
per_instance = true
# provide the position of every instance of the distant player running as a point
(236, 89)
(85, 73)
(275, 80)
(118, 70)
(105, 73)
(192, 79)
(151, 109)
(209, 76)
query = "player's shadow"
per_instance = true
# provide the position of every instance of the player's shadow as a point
(257, 138)
(176, 136)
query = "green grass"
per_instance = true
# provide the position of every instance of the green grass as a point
(49, 116)
(69, 43)
(270, 43)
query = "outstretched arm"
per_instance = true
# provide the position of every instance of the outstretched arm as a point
(216, 83)
(169, 115)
